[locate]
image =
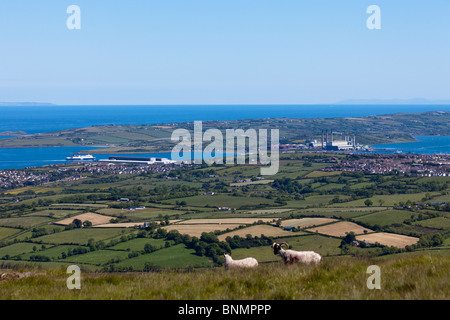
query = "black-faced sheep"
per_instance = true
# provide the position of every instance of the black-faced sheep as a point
(291, 256)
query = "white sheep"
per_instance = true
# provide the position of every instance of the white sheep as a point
(290, 256)
(244, 263)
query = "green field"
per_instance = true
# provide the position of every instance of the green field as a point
(388, 200)
(99, 257)
(173, 257)
(223, 201)
(138, 244)
(51, 252)
(79, 236)
(311, 201)
(17, 249)
(385, 217)
(437, 223)
(7, 232)
(23, 222)
(344, 212)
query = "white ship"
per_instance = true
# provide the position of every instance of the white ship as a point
(81, 157)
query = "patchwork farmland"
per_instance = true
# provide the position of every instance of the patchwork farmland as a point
(189, 217)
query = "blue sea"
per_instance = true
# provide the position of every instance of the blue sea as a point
(36, 119)
(424, 145)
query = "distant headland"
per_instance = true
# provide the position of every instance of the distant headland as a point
(11, 133)
(368, 101)
(25, 104)
(413, 101)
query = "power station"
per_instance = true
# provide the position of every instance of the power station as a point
(330, 143)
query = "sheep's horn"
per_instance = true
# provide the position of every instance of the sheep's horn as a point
(273, 245)
(281, 243)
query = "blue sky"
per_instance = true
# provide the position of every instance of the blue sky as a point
(223, 51)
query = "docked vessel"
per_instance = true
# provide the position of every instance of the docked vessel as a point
(81, 157)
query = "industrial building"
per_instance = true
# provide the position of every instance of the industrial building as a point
(330, 143)
(137, 160)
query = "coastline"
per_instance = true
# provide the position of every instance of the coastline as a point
(12, 133)
(373, 131)
(425, 144)
(123, 150)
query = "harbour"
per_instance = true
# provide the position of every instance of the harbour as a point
(19, 158)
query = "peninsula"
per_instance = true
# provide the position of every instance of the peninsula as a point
(369, 130)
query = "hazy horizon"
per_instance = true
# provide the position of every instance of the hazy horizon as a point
(356, 102)
(220, 53)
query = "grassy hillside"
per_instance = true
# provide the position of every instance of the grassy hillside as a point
(418, 276)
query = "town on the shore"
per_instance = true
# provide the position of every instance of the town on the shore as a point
(379, 163)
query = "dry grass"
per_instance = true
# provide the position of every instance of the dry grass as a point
(306, 222)
(239, 221)
(94, 218)
(128, 224)
(389, 239)
(119, 225)
(339, 229)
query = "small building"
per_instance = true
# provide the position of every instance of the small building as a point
(137, 160)
(358, 243)
(289, 228)
(144, 225)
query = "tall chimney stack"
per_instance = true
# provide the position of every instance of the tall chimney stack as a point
(322, 139)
